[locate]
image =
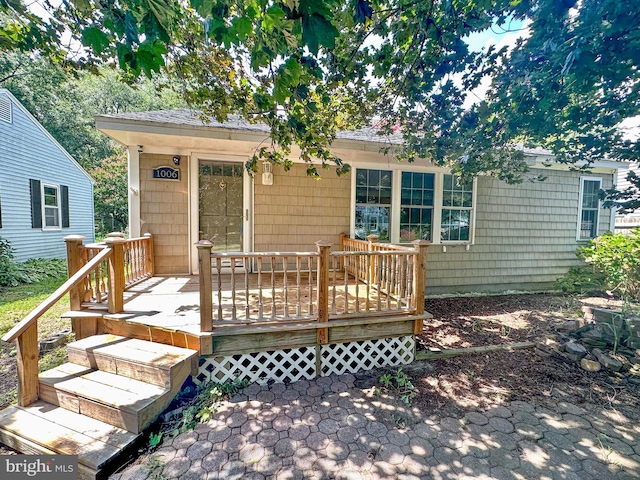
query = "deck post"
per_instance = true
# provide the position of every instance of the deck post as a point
(419, 281)
(150, 261)
(27, 365)
(323, 289)
(74, 263)
(116, 273)
(342, 237)
(206, 287)
(373, 238)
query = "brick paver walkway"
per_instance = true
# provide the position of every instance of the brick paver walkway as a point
(329, 429)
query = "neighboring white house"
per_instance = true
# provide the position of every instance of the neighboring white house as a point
(44, 193)
(187, 181)
(629, 220)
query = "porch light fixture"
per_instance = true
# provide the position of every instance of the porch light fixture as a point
(267, 174)
(176, 160)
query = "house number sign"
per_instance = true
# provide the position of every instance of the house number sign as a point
(166, 173)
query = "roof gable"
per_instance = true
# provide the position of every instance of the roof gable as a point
(15, 102)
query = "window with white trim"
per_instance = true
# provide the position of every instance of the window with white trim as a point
(589, 212)
(373, 203)
(457, 203)
(402, 206)
(50, 206)
(416, 206)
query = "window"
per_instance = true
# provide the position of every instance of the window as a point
(373, 203)
(457, 202)
(402, 206)
(49, 205)
(588, 214)
(416, 206)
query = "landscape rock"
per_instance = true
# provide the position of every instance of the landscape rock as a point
(590, 365)
(548, 345)
(568, 326)
(593, 333)
(575, 348)
(607, 361)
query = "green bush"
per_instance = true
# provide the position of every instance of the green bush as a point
(31, 271)
(617, 257)
(582, 280)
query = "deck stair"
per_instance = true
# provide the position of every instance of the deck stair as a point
(98, 403)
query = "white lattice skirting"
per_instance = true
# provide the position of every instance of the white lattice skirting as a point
(300, 363)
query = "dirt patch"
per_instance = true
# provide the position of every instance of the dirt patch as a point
(472, 382)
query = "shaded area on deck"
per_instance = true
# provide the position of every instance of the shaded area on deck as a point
(173, 302)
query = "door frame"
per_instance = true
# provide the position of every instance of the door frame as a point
(194, 202)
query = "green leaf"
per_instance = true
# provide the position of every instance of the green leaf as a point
(203, 7)
(82, 5)
(316, 31)
(162, 11)
(242, 26)
(95, 39)
(363, 11)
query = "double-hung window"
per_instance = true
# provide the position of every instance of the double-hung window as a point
(373, 203)
(416, 206)
(457, 203)
(50, 206)
(402, 206)
(588, 215)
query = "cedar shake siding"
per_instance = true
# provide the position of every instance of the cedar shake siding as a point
(525, 237)
(164, 209)
(297, 210)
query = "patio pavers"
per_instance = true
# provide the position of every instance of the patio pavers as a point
(330, 429)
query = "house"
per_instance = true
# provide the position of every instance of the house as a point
(44, 193)
(187, 182)
(624, 223)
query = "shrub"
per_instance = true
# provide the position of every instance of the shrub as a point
(34, 270)
(582, 280)
(617, 257)
(7, 266)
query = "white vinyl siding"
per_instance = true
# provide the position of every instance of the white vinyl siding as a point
(35, 156)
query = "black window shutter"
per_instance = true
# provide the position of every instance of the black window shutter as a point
(64, 191)
(36, 204)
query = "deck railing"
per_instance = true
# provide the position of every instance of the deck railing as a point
(282, 286)
(364, 278)
(95, 271)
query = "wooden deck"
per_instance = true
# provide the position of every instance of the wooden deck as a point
(172, 302)
(166, 309)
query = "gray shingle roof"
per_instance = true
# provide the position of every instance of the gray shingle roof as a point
(194, 118)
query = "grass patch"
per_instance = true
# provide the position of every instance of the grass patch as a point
(17, 302)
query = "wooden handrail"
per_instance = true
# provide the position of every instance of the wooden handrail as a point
(74, 280)
(263, 254)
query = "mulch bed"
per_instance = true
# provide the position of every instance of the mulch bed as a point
(471, 382)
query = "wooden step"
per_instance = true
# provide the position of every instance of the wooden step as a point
(120, 401)
(43, 428)
(84, 323)
(153, 363)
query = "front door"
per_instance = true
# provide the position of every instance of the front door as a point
(221, 205)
